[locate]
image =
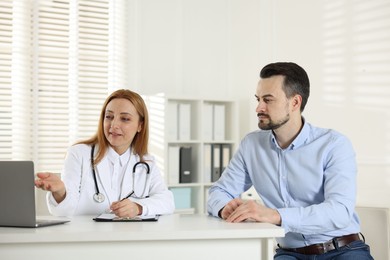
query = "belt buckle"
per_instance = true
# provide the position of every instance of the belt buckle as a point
(335, 242)
(327, 246)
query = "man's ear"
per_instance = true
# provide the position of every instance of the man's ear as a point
(296, 102)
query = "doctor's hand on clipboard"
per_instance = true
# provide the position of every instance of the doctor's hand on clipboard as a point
(126, 208)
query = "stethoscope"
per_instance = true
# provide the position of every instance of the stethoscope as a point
(99, 197)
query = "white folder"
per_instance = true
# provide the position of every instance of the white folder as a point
(219, 122)
(172, 116)
(184, 121)
(208, 125)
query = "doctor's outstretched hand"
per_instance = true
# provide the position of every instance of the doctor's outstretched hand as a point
(238, 210)
(53, 183)
(126, 208)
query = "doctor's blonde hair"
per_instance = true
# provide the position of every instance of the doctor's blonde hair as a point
(141, 139)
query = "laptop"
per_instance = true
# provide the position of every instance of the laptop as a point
(17, 196)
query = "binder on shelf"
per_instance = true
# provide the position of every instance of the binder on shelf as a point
(216, 162)
(185, 165)
(226, 154)
(173, 164)
(207, 162)
(184, 121)
(208, 126)
(220, 158)
(172, 119)
(219, 122)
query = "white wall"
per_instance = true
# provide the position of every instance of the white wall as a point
(345, 46)
(196, 48)
(216, 48)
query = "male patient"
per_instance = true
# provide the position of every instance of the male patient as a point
(305, 175)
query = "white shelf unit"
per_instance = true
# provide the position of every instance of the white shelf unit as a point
(163, 126)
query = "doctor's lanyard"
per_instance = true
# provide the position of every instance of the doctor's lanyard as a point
(99, 197)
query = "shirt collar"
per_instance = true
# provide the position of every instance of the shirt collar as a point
(299, 140)
(114, 157)
(302, 136)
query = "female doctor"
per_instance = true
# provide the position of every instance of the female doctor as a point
(112, 170)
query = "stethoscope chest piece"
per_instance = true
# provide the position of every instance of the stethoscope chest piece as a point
(98, 197)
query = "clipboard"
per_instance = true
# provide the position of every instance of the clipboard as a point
(110, 217)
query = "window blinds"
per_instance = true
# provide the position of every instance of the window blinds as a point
(73, 56)
(5, 79)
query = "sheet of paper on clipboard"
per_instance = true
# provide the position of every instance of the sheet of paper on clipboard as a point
(110, 217)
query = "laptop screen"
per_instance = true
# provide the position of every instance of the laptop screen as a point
(17, 193)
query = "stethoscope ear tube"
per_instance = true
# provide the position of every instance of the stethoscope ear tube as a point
(146, 177)
(98, 197)
(144, 163)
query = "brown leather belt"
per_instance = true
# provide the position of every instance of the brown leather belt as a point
(321, 248)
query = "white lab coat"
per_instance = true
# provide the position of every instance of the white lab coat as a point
(80, 187)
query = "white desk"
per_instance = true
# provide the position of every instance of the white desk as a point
(172, 237)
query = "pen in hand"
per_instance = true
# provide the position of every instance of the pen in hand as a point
(128, 196)
(124, 208)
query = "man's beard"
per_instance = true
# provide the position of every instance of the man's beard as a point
(272, 125)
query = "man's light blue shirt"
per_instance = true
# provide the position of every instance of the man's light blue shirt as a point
(312, 183)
